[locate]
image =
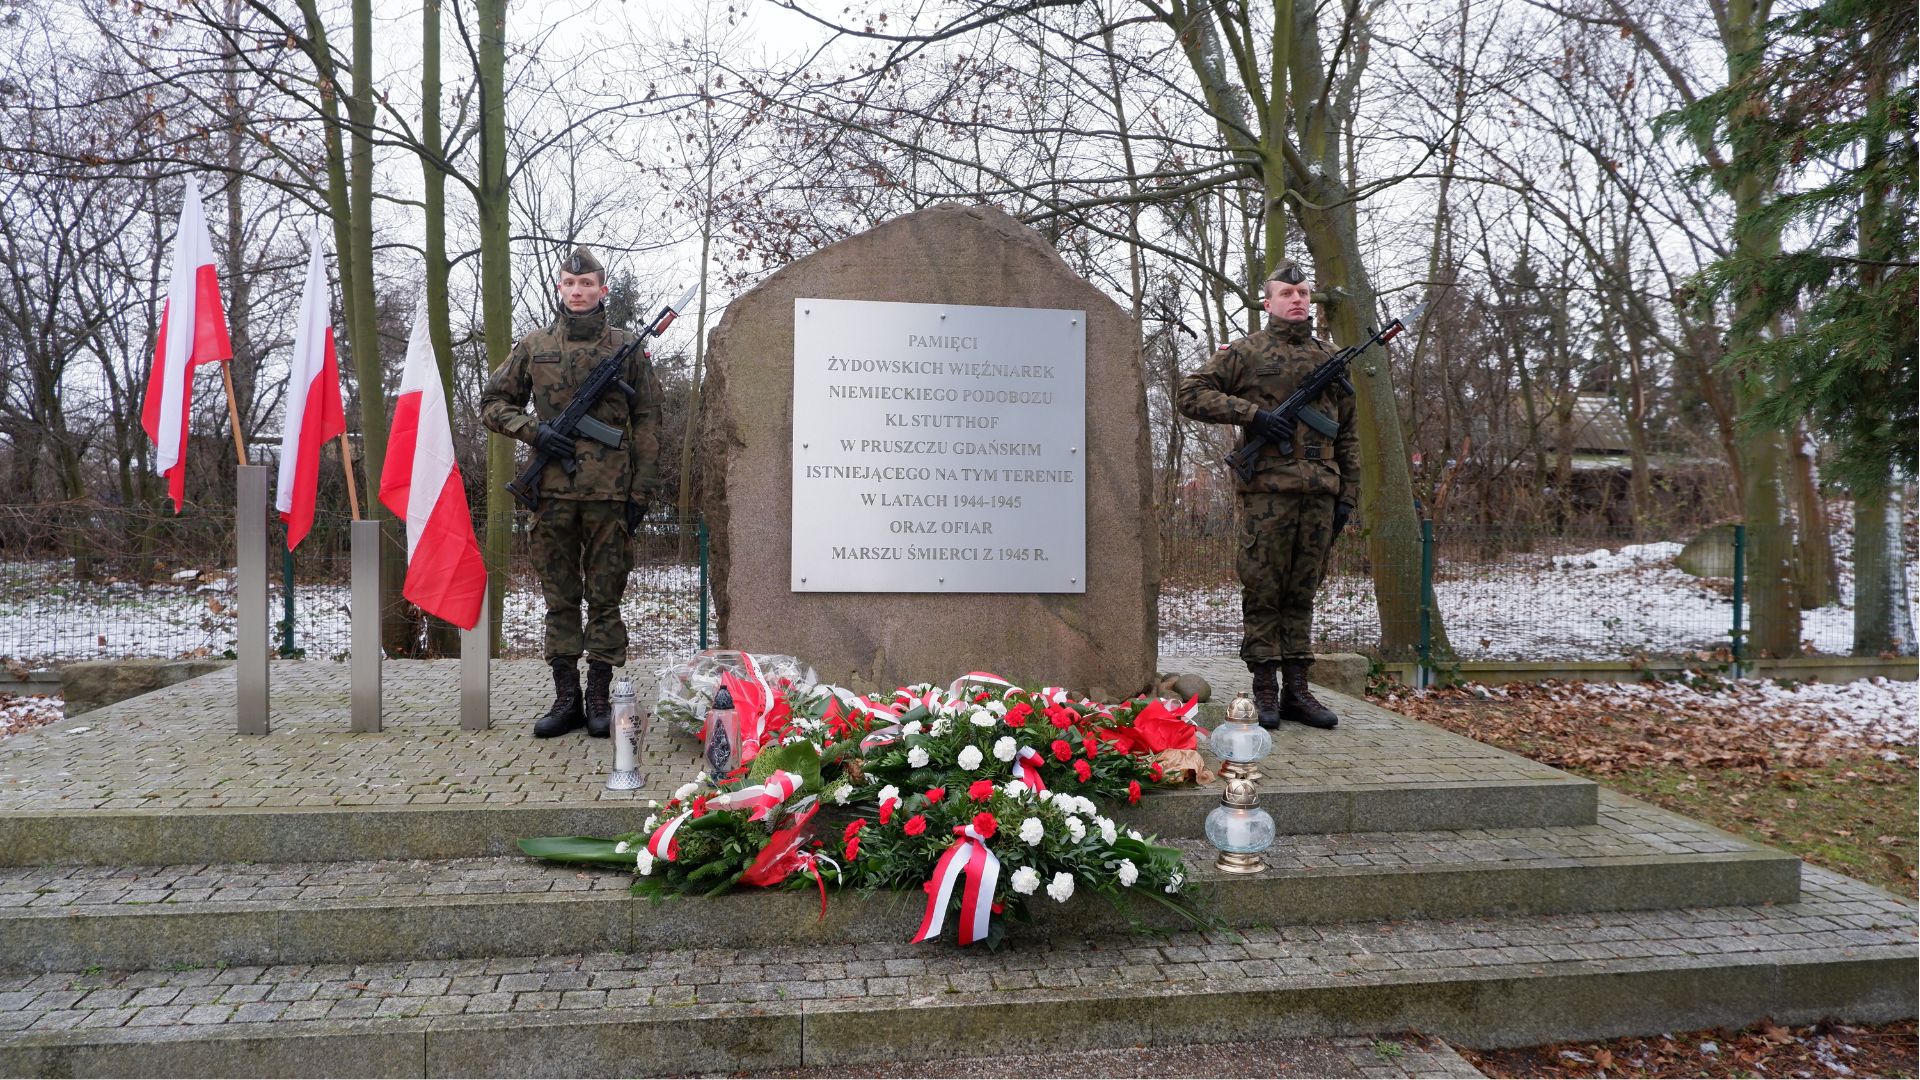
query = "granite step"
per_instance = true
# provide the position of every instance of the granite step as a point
(1634, 856)
(163, 792)
(1842, 949)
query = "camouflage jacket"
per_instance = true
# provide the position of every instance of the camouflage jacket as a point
(1258, 372)
(546, 367)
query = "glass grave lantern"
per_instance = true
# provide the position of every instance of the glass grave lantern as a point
(1240, 742)
(1240, 829)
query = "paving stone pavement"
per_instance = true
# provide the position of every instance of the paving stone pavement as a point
(1626, 830)
(176, 748)
(1835, 917)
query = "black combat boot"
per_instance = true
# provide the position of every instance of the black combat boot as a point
(1297, 702)
(599, 703)
(1266, 693)
(565, 715)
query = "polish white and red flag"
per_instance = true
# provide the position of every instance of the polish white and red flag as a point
(193, 331)
(314, 411)
(420, 482)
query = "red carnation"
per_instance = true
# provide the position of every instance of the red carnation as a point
(1154, 774)
(998, 908)
(1133, 792)
(1082, 770)
(1061, 717)
(984, 824)
(980, 697)
(935, 794)
(852, 851)
(1017, 716)
(855, 827)
(915, 825)
(699, 806)
(886, 810)
(1063, 750)
(980, 790)
(1091, 745)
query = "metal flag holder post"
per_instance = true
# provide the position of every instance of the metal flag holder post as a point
(364, 646)
(475, 660)
(251, 643)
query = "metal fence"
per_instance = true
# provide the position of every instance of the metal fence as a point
(84, 582)
(1500, 592)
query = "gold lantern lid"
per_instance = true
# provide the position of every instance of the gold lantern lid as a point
(1242, 711)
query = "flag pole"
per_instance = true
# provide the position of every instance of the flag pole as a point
(346, 463)
(233, 412)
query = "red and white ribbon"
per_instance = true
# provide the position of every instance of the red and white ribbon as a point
(1053, 695)
(763, 798)
(968, 858)
(1027, 763)
(881, 737)
(976, 678)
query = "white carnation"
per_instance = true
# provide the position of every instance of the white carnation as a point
(1005, 749)
(1134, 834)
(1108, 832)
(912, 727)
(970, 758)
(1014, 789)
(1129, 873)
(622, 848)
(917, 757)
(841, 793)
(643, 862)
(998, 707)
(1084, 806)
(1026, 880)
(941, 725)
(981, 718)
(1076, 829)
(1032, 831)
(700, 777)
(1061, 888)
(653, 803)
(647, 825)
(887, 793)
(685, 791)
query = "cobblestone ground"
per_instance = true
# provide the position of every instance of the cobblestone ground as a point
(176, 748)
(1835, 917)
(1625, 831)
(1394, 1056)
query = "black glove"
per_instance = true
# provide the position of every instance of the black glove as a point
(1268, 425)
(635, 513)
(1341, 512)
(550, 441)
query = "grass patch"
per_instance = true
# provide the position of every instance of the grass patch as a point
(1854, 815)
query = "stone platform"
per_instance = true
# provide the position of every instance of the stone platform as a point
(314, 901)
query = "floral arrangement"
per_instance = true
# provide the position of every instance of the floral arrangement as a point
(982, 794)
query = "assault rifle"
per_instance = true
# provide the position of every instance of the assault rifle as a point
(1298, 407)
(573, 421)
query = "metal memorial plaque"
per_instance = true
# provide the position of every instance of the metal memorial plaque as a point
(938, 448)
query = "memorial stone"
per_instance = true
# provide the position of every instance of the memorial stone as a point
(1086, 618)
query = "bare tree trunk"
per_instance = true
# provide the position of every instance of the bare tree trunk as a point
(496, 286)
(1816, 570)
(1882, 609)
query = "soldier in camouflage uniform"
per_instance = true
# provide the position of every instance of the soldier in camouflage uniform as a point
(1295, 505)
(583, 529)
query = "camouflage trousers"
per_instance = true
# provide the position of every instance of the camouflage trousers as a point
(582, 550)
(1284, 541)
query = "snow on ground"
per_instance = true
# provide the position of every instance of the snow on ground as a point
(47, 618)
(1601, 605)
(1607, 603)
(1865, 712)
(18, 712)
